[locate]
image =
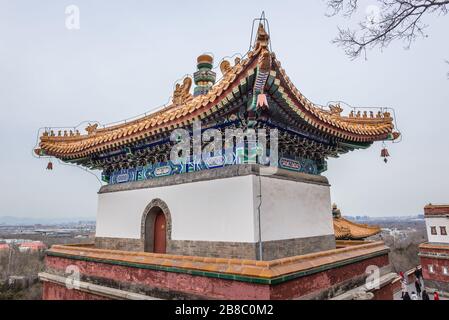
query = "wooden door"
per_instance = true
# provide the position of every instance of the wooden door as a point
(159, 233)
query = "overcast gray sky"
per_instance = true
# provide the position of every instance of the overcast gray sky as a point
(127, 55)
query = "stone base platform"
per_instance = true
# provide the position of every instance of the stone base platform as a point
(84, 272)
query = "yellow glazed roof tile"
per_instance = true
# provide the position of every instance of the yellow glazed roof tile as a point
(355, 127)
(345, 229)
(250, 268)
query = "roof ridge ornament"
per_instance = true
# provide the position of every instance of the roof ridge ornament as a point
(225, 65)
(335, 109)
(182, 94)
(92, 128)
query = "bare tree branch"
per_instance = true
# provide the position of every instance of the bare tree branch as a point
(347, 6)
(393, 20)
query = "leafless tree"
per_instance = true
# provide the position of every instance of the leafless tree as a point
(394, 20)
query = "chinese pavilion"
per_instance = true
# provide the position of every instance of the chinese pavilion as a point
(349, 230)
(223, 223)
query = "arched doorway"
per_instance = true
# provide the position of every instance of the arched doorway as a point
(160, 231)
(156, 227)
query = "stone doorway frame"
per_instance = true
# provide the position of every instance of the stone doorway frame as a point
(148, 218)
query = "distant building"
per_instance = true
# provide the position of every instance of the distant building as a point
(434, 254)
(32, 246)
(55, 232)
(4, 247)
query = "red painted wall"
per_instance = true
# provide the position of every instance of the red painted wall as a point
(178, 282)
(52, 291)
(437, 267)
(387, 292)
(323, 280)
(210, 288)
(440, 210)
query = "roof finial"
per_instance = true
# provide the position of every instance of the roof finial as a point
(262, 37)
(204, 78)
(336, 213)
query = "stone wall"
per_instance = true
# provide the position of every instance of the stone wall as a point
(294, 247)
(125, 244)
(242, 250)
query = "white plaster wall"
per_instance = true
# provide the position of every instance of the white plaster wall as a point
(223, 210)
(215, 210)
(293, 209)
(437, 222)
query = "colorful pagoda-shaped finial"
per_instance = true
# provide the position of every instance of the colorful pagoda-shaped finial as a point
(204, 78)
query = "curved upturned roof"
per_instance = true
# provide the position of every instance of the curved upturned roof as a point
(348, 230)
(361, 127)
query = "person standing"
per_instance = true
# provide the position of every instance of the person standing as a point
(436, 296)
(418, 286)
(414, 296)
(404, 277)
(406, 296)
(418, 273)
(425, 296)
(403, 288)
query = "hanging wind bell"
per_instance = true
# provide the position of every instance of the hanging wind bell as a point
(50, 165)
(384, 153)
